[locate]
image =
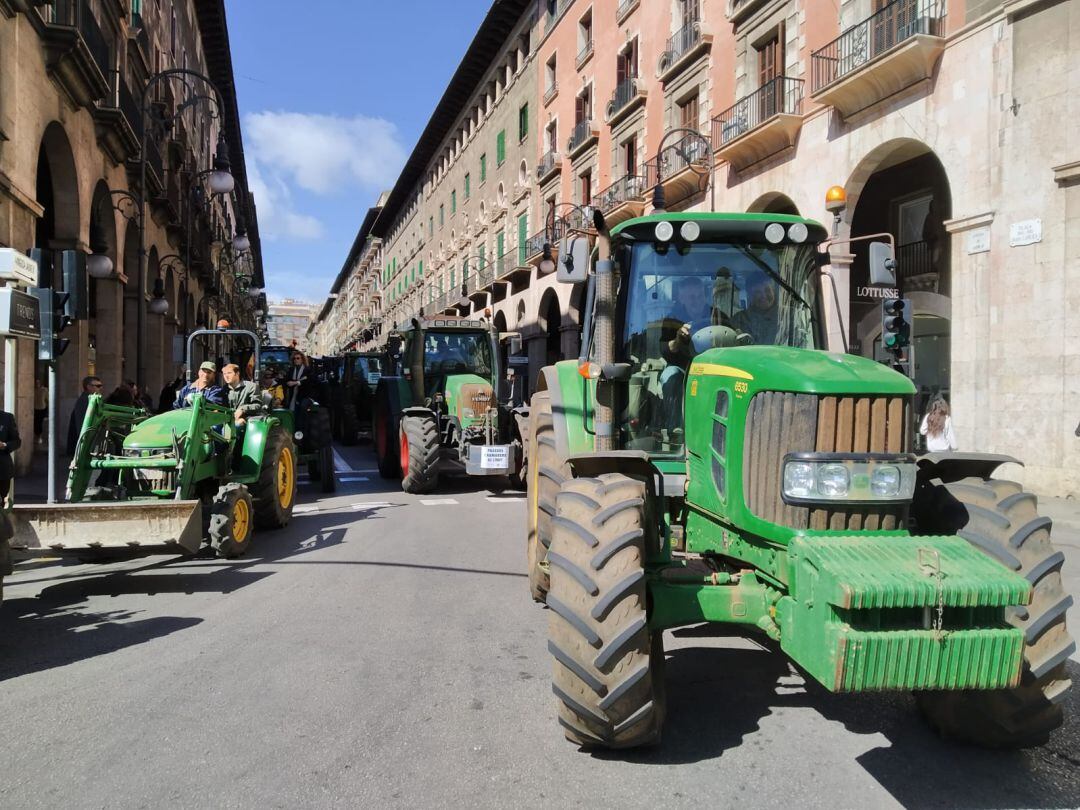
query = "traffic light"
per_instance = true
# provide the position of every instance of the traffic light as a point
(77, 303)
(53, 322)
(895, 328)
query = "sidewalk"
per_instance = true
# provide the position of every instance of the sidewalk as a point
(33, 488)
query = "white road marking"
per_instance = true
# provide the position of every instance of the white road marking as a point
(302, 510)
(504, 499)
(371, 505)
(340, 464)
(351, 478)
(438, 501)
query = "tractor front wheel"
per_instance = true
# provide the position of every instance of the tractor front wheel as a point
(608, 672)
(350, 423)
(1002, 521)
(419, 453)
(275, 491)
(385, 436)
(231, 519)
(545, 472)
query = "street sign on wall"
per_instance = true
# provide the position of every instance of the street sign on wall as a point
(20, 314)
(17, 268)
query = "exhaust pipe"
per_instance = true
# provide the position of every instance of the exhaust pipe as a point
(604, 421)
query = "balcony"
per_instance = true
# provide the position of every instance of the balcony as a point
(684, 46)
(534, 246)
(139, 41)
(761, 124)
(683, 169)
(892, 50)
(622, 200)
(583, 136)
(625, 9)
(76, 51)
(584, 55)
(551, 92)
(628, 96)
(550, 165)
(115, 120)
(555, 11)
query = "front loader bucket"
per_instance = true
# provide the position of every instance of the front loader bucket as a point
(139, 527)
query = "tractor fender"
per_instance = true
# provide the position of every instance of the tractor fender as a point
(950, 467)
(247, 465)
(568, 391)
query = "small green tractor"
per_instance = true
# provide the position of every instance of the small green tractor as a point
(705, 460)
(441, 414)
(141, 484)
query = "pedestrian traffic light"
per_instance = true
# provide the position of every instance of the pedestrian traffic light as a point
(895, 328)
(53, 322)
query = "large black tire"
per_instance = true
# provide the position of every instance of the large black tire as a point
(327, 478)
(519, 478)
(274, 494)
(545, 474)
(231, 519)
(608, 675)
(350, 423)
(1002, 521)
(385, 437)
(419, 453)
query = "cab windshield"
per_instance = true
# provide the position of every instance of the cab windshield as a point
(275, 360)
(710, 295)
(457, 353)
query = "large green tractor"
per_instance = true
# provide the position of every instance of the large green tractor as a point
(441, 414)
(706, 461)
(142, 484)
(357, 375)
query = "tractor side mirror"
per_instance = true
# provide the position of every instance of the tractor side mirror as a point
(573, 265)
(882, 265)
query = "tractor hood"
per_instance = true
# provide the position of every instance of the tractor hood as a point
(468, 391)
(779, 368)
(157, 431)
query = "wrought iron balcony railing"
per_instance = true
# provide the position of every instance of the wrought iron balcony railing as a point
(689, 152)
(628, 188)
(584, 53)
(682, 42)
(552, 89)
(780, 95)
(79, 15)
(583, 130)
(624, 9)
(866, 40)
(548, 163)
(625, 92)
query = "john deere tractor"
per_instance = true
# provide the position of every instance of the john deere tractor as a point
(141, 484)
(705, 460)
(441, 414)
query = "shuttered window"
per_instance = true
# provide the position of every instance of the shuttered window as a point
(500, 148)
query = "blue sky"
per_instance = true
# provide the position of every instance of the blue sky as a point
(332, 99)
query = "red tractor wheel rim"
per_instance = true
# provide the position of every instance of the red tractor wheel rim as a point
(404, 455)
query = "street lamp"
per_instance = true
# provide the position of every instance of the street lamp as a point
(98, 263)
(221, 179)
(696, 150)
(547, 259)
(240, 242)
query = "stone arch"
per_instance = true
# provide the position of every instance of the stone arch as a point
(60, 225)
(774, 202)
(105, 335)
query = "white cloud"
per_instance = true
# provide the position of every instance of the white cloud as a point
(273, 201)
(324, 153)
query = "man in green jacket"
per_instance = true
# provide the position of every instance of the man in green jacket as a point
(244, 397)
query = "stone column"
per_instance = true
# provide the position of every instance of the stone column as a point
(537, 348)
(109, 331)
(838, 322)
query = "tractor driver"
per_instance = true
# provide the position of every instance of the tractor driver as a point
(761, 318)
(205, 383)
(244, 397)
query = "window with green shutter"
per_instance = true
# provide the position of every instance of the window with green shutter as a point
(421, 269)
(500, 148)
(523, 237)
(468, 186)
(523, 122)
(452, 278)
(483, 167)
(431, 227)
(442, 216)
(483, 259)
(453, 202)
(500, 246)
(465, 270)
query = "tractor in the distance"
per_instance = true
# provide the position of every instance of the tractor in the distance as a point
(355, 377)
(441, 414)
(706, 460)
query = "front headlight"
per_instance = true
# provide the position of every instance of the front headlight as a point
(811, 478)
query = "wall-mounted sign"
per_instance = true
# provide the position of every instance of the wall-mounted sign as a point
(20, 314)
(18, 268)
(876, 292)
(978, 241)
(1027, 232)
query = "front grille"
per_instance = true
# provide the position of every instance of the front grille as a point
(478, 398)
(779, 423)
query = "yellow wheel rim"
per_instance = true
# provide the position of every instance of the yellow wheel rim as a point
(241, 520)
(285, 478)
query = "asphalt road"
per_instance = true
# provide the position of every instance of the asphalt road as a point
(383, 651)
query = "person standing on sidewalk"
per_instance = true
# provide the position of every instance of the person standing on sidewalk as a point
(9, 443)
(937, 428)
(41, 409)
(90, 385)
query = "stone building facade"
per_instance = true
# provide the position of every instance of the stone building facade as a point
(72, 74)
(287, 323)
(948, 126)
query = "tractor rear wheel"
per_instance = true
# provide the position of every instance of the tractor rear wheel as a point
(1002, 521)
(608, 674)
(545, 473)
(275, 492)
(419, 453)
(350, 423)
(231, 518)
(385, 437)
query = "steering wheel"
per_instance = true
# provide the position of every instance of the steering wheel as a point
(718, 337)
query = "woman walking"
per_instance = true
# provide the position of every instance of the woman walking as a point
(937, 428)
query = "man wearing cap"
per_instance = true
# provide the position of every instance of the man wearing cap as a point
(244, 397)
(205, 383)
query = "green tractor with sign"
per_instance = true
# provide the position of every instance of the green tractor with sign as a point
(441, 414)
(141, 484)
(705, 460)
